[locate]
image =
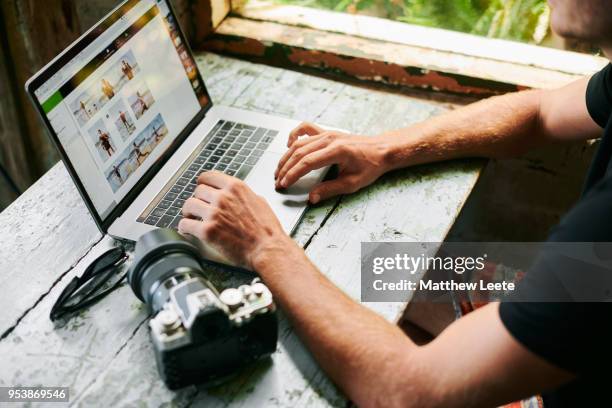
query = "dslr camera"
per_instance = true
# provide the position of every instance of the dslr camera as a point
(200, 335)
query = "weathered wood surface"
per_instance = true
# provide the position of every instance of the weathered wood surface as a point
(352, 54)
(425, 37)
(12, 154)
(34, 32)
(104, 355)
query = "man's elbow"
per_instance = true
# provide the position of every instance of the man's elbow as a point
(405, 383)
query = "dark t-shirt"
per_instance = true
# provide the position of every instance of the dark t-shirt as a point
(574, 336)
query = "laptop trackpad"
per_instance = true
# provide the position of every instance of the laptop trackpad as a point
(289, 203)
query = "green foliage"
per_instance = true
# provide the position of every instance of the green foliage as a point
(522, 20)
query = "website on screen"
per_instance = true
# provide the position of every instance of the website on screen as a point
(121, 102)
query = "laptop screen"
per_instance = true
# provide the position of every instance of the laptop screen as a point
(118, 103)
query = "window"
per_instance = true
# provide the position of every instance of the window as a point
(526, 21)
(519, 20)
(348, 38)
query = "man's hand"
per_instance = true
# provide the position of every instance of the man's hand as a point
(227, 214)
(360, 160)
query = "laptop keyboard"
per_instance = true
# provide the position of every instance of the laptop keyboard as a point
(230, 147)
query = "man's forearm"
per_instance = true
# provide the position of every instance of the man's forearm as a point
(501, 126)
(475, 362)
(358, 349)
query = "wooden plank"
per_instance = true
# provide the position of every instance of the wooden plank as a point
(205, 16)
(12, 153)
(105, 355)
(42, 234)
(220, 9)
(376, 61)
(35, 33)
(452, 42)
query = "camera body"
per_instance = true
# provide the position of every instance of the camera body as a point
(199, 335)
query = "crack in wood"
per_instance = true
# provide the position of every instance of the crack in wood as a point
(8, 331)
(127, 341)
(329, 214)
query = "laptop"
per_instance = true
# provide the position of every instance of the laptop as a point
(128, 109)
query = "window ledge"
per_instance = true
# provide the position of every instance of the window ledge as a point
(393, 53)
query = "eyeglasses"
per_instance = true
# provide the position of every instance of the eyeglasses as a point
(99, 279)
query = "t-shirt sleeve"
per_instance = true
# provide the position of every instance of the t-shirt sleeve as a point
(576, 336)
(599, 96)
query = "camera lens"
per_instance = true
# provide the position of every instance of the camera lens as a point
(163, 258)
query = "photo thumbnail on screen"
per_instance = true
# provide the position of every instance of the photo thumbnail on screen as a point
(95, 97)
(136, 153)
(102, 140)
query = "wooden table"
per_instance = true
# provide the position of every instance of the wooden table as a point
(104, 354)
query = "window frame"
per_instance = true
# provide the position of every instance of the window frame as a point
(395, 54)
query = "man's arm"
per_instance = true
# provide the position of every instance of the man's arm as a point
(474, 362)
(501, 126)
(498, 127)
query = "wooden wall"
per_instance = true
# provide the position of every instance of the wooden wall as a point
(32, 32)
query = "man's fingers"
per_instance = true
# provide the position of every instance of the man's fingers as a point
(196, 208)
(304, 128)
(206, 193)
(215, 179)
(289, 160)
(193, 227)
(289, 153)
(326, 189)
(312, 161)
